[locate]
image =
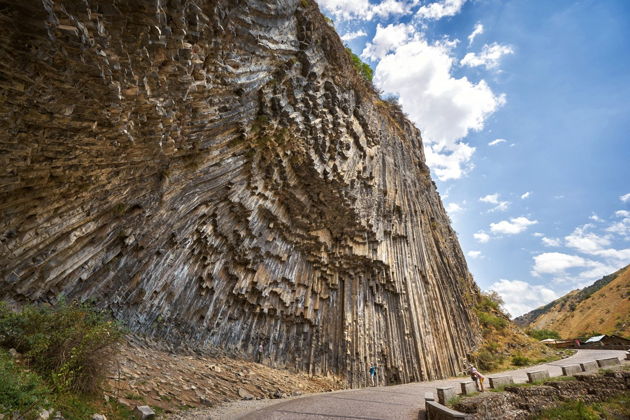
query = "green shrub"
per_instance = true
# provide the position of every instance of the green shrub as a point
(363, 68)
(69, 344)
(520, 360)
(543, 334)
(490, 320)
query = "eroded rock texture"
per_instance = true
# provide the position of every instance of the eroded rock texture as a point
(217, 173)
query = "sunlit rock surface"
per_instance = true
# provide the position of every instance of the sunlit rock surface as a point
(218, 174)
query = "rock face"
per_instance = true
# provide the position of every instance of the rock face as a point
(218, 174)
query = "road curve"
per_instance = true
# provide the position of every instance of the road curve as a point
(398, 402)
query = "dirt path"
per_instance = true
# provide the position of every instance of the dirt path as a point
(382, 403)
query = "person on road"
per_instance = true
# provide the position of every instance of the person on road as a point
(373, 374)
(476, 376)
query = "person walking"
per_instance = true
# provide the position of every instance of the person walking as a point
(259, 354)
(476, 376)
(373, 374)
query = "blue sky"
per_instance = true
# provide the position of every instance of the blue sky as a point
(525, 112)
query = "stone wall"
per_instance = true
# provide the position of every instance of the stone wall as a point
(523, 402)
(217, 174)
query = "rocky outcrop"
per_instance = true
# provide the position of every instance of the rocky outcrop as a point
(218, 174)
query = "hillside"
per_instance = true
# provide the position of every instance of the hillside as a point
(603, 307)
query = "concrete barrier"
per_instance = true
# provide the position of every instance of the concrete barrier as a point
(589, 366)
(613, 361)
(428, 396)
(571, 370)
(498, 381)
(468, 387)
(537, 375)
(437, 411)
(445, 394)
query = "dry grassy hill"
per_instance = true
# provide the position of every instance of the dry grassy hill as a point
(603, 307)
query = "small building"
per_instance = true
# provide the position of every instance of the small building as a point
(558, 344)
(612, 342)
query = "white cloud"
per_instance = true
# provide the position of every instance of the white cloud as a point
(625, 198)
(474, 254)
(477, 31)
(490, 198)
(443, 107)
(481, 237)
(497, 141)
(595, 218)
(364, 10)
(556, 263)
(586, 242)
(440, 9)
(494, 199)
(538, 234)
(452, 208)
(353, 35)
(386, 39)
(489, 57)
(520, 297)
(526, 195)
(621, 228)
(551, 241)
(513, 226)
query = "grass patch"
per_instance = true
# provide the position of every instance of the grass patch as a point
(614, 408)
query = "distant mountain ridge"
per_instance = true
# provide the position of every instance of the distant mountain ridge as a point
(602, 307)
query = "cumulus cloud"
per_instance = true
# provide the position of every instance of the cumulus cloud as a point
(440, 9)
(586, 242)
(349, 36)
(494, 199)
(556, 263)
(481, 237)
(622, 227)
(550, 241)
(595, 218)
(478, 30)
(452, 208)
(520, 297)
(386, 39)
(489, 57)
(490, 198)
(513, 226)
(364, 10)
(497, 141)
(526, 195)
(474, 254)
(625, 198)
(445, 108)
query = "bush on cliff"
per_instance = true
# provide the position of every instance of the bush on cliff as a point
(69, 345)
(543, 334)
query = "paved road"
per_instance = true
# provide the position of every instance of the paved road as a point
(398, 402)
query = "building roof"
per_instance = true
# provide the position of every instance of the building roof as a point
(595, 339)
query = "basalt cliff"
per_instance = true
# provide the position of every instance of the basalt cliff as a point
(216, 173)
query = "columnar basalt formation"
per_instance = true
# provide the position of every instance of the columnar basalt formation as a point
(217, 173)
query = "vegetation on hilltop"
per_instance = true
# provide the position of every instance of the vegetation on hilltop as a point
(504, 345)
